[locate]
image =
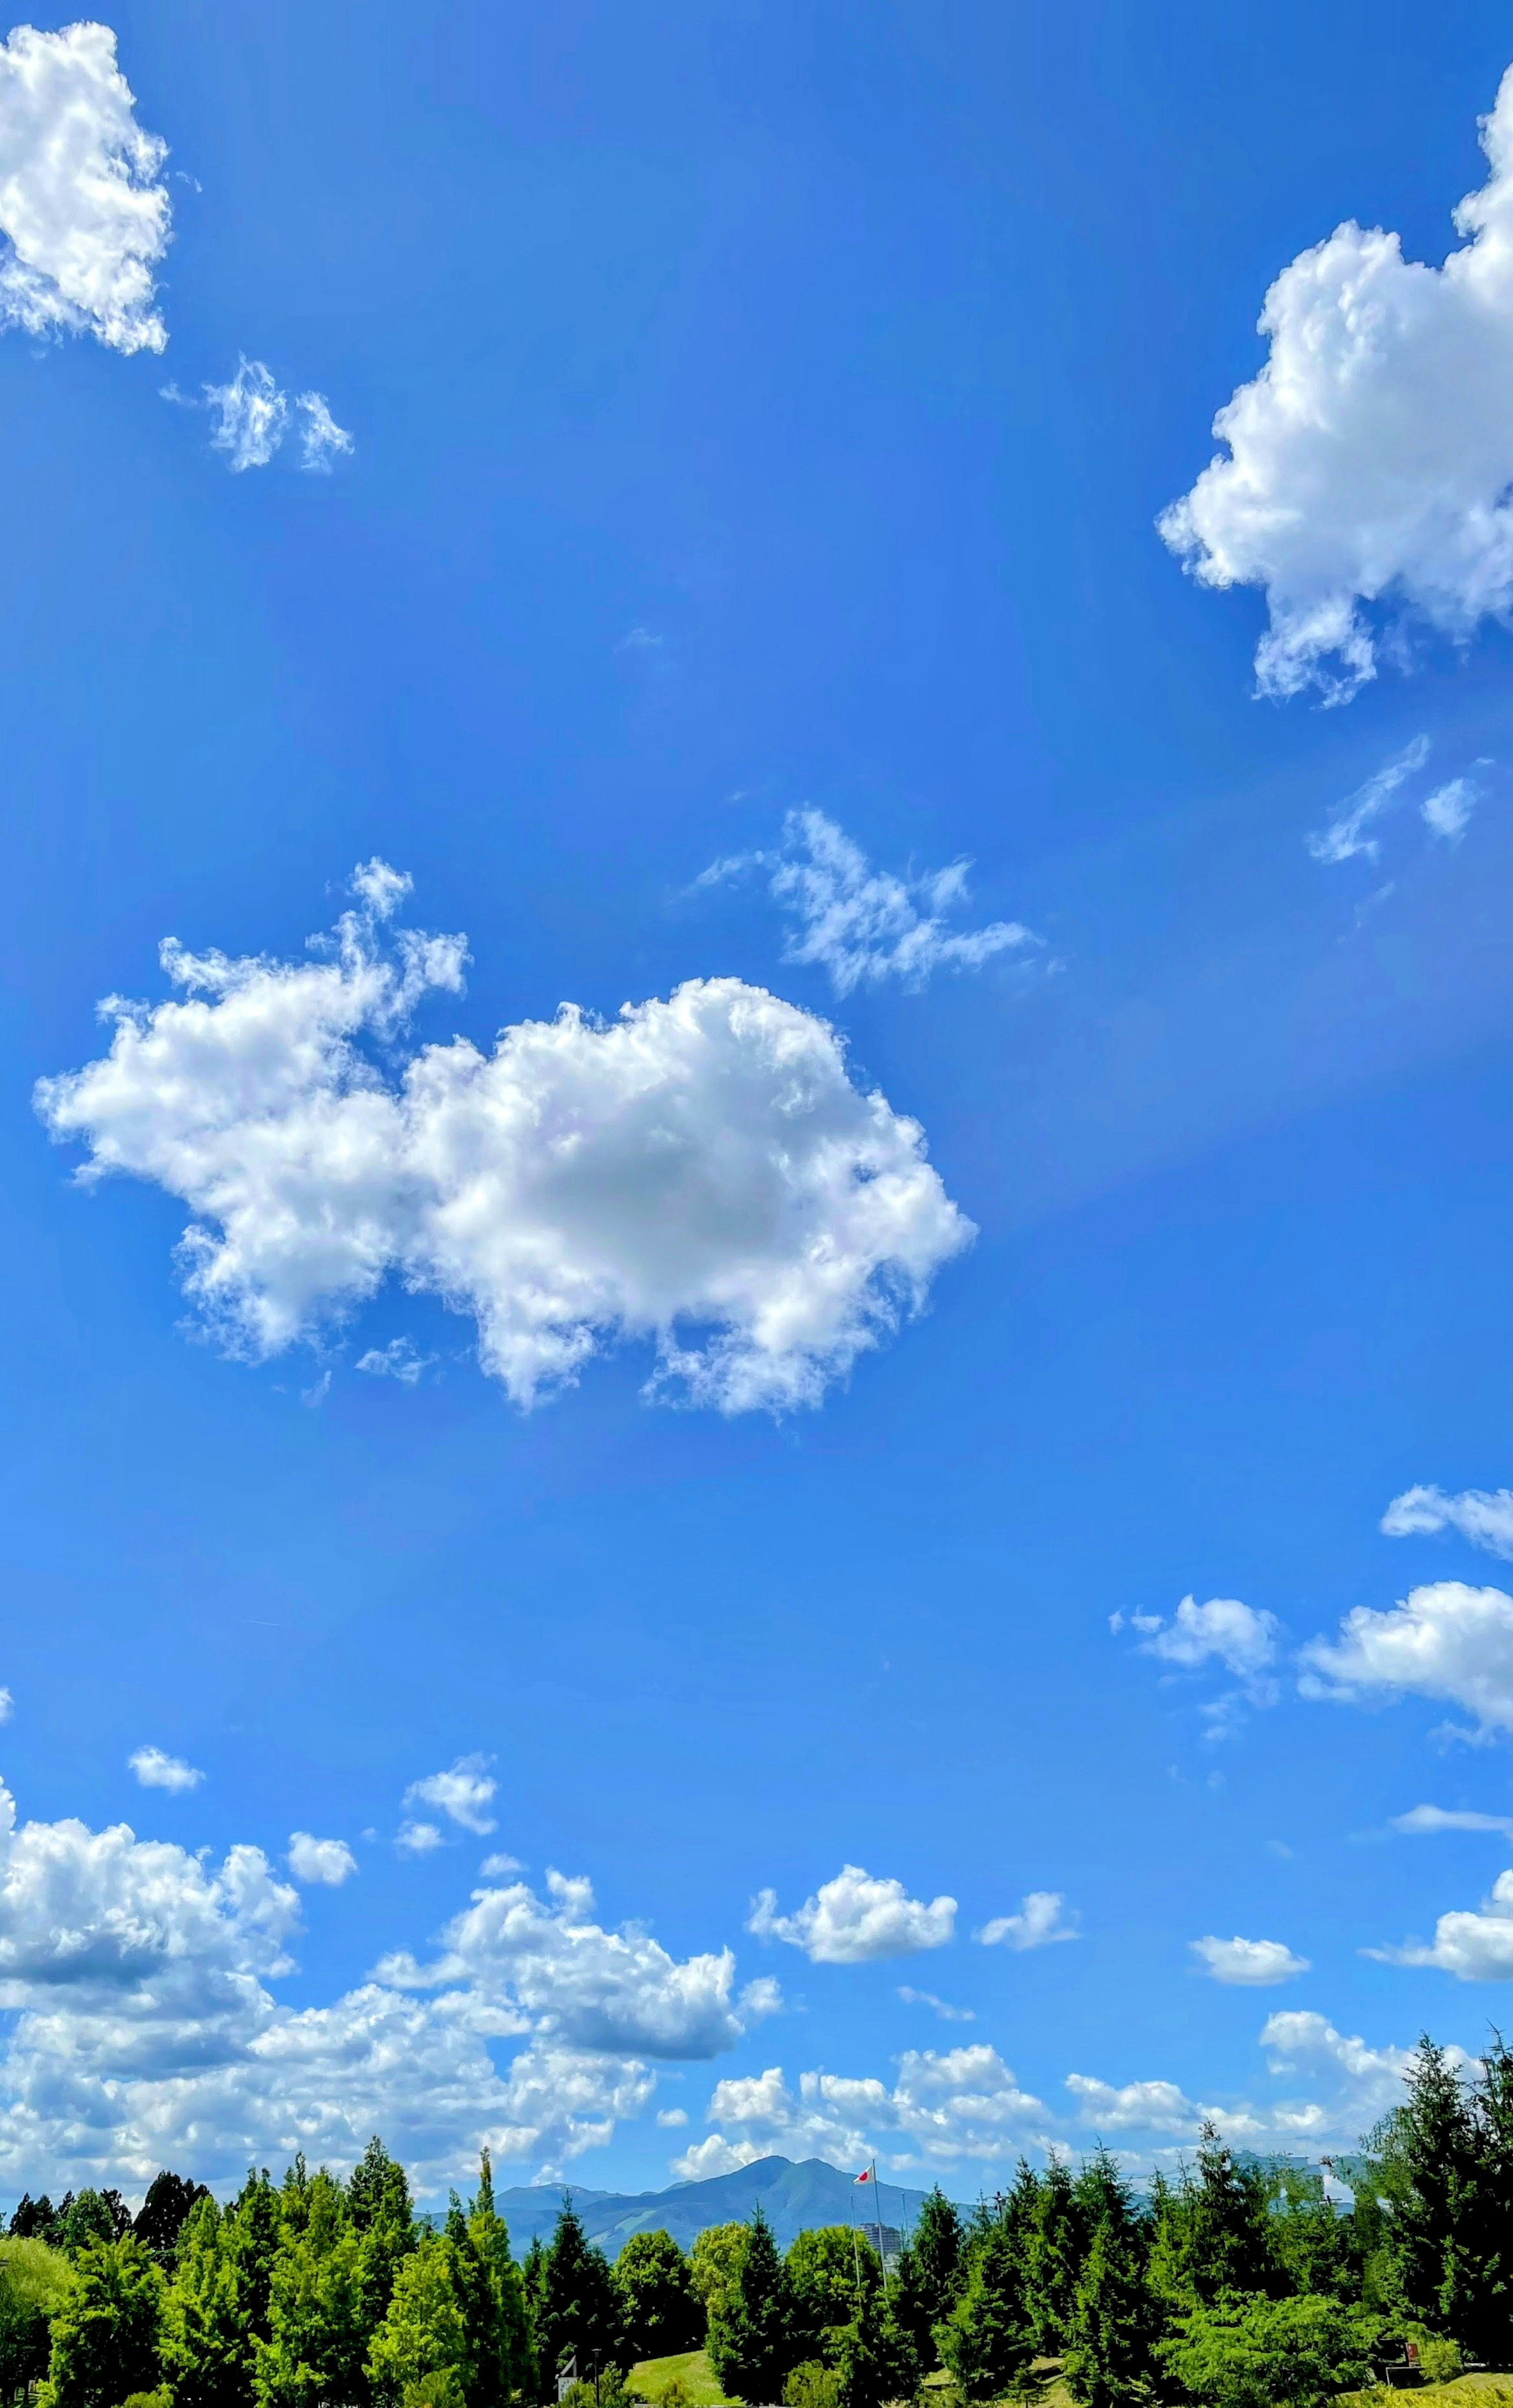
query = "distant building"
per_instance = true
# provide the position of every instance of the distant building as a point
(886, 2239)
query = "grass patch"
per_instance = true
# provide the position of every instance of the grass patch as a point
(1461, 2391)
(690, 2366)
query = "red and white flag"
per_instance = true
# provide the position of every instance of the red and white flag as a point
(869, 2173)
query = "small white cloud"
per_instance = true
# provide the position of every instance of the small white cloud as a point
(1370, 461)
(1444, 1641)
(1344, 836)
(672, 2119)
(761, 1998)
(251, 414)
(7, 1704)
(398, 1360)
(84, 214)
(320, 438)
(949, 2014)
(856, 1919)
(1252, 1964)
(1223, 1630)
(1421, 1819)
(155, 1769)
(465, 1793)
(497, 1867)
(419, 1839)
(640, 640)
(1446, 812)
(1134, 2107)
(1044, 1917)
(1475, 1947)
(327, 1861)
(1483, 1516)
(863, 925)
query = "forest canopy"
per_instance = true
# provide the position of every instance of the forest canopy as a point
(1231, 2285)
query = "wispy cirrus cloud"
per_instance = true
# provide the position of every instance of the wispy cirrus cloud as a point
(866, 925)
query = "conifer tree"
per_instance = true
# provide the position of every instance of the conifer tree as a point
(576, 2308)
(1054, 2242)
(1210, 2232)
(422, 2337)
(940, 2248)
(1108, 2352)
(314, 2356)
(1435, 2185)
(752, 2334)
(987, 2341)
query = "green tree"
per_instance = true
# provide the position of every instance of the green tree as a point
(940, 2253)
(1432, 2175)
(1053, 2238)
(316, 2346)
(1107, 2362)
(824, 2272)
(252, 2234)
(1260, 2353)
(1489, 2328)
(1310, 2243)
(163, 2213)
(753, 2344)
(35, 2281)
(658, 2307)
(909, 2311)
(987, 2341)
(498, 2362)
(713, 2265)
(812, 2385)
(577, 2306)
(379, 2211)
(206, 2339)
(105, 2332)
(423, 2336)
(93, 2216)
(1210, 2232)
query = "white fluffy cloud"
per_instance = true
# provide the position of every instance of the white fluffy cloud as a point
(1223, 1630)
(1421, 1819)
(84, 215)
(1370, 460)
(148, 2033)
(155, 1769)
(1043, 1918)
(863, 924)
(251, 415)
(1351, 2085)
(1483, 1516)
(702, 1172)
(1475, 1947)
(1256, 1964)
(962, 2103)
(465, 1793)
(1131, 2106)
(551, 1967)
(855, 1919)
(329, 1862)
(1444, 1641)
(399, 1360)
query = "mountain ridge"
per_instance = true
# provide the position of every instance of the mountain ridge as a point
(794, 2196)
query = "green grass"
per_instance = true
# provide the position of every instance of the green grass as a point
(1461, 2391)
(651, 2377)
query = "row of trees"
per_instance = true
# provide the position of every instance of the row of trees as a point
(1230, 2287)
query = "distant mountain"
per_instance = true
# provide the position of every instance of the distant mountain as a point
(795, 2199)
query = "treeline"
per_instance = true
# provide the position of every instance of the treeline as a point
(1231, 2287)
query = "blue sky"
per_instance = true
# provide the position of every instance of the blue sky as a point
(690, 420)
